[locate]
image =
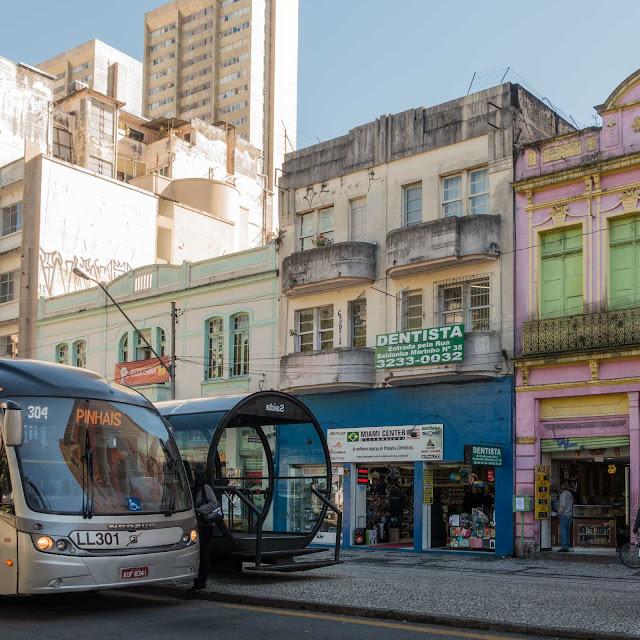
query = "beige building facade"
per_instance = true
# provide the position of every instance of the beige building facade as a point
(101, 68)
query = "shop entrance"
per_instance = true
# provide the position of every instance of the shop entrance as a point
(598, 478)
(463, 508)
(385, 508)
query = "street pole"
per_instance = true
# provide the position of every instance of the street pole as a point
(81, 273)
(172, 369)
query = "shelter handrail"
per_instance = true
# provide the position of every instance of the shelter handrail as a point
(238, 491)
(333, 507)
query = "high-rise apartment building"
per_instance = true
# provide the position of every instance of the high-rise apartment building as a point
(102, 68)
(226, 60)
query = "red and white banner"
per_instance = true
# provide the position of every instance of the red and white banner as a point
(142, 372)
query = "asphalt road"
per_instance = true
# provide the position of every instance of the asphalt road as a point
(124, 615)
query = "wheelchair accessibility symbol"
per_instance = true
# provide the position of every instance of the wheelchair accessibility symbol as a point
(134, 504)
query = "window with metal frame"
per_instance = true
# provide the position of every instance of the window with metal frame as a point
(124, 348)
(411, 310)
(465, 301)
(62, 144)
(314, 329)
(9, 283)
(241, 345)
(412, 196)
(466, 193)
(161, 342)
(317, 228)
(358, 315)
(12, 219)
(62, 353)
(479, 192)
(142, 350)
(215, 347)
(9, 345)
(101, 121)
(80, 354)
(452, 196)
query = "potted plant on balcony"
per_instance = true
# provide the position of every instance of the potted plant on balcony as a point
(320, 240)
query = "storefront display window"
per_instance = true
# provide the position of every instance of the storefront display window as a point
(462, 512)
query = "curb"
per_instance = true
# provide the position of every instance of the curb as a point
(386, 614)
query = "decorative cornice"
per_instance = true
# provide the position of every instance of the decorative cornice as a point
(577, 358)
(557, 386)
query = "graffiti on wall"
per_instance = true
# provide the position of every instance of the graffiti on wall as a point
(57, 277)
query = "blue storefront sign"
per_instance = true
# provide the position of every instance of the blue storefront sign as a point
(479, 411)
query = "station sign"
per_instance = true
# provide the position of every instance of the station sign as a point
(420, 347)
(395, 444)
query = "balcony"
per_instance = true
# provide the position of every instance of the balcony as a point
(328, 370)
(440, 244)
(327, 268)
(482, 359)
(601, 330)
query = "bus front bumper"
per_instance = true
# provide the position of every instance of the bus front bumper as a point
(52, 573)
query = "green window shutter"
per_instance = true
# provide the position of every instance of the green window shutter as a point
(561, 273)
(624, 261)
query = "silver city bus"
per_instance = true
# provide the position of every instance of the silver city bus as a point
(93, 493)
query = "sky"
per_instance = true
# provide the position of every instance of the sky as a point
(359, 59)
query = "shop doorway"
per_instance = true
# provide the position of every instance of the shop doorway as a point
(598, 479)
(384, 509)
(463, 507)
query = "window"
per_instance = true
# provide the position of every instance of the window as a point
(162, 87)
(161, 30)
(561, 272)
(316, 224)
(9, 283)
(161, 59)
(241, 345)
(411, 317)
(142, 350)
(101, 121)
(233, 107)
(164, 72)
(100, 166)
(162, 45)
(314, 329)
(624, 261)
(232, 30)
(216, 349)
(6, 491)
(358, 313)
(466, 193)
(233, 92)
(197, 74)
(234, 14)
(9, 345)
(238, 121)
(62, 354)
(128, 169)
(233, 76)
(413, 204)
(226, 3)
(466, 302)
(124, 348)
(82, 67)
(234, 45)
(231, 61)
(12, 219)
(195, 89)
(161, 103)
(358, 219)
(452, 200)
(80, 354)
(62, 144)
(161, 347)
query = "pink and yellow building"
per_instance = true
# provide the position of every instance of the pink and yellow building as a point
(577, 298)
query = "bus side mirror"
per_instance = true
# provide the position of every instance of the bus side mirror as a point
(12, 424)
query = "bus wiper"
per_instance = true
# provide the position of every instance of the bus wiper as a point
(87, 478)
(173, 467)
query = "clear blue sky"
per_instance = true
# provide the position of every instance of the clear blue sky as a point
(363, 58)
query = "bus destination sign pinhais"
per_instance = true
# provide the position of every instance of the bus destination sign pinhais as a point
(420, 347)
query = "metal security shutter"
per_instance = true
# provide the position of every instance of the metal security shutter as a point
(575, 444)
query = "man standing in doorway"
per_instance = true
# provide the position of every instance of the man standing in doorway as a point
(565, 514)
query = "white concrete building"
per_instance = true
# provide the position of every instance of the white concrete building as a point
(225, 334)
(101, 68)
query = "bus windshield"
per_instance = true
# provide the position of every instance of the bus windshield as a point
(92, 457)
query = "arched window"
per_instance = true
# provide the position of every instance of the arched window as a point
(124, 348)
(62, 354)
(241, 344)
(80, 354)
(142, 350)
(215, 358)
(161, 347)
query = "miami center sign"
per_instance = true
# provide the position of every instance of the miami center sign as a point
(372, 444)
(420, 347)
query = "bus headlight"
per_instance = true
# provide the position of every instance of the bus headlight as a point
(61, 545)
(185, 538)
(44, 543)
(194, 536)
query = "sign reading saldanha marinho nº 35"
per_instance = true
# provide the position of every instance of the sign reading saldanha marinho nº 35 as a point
(420, 347)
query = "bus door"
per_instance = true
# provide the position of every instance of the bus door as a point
(8, 534)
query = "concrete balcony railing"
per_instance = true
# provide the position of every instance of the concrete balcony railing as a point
(331, 267)
(482, 359)
(328, 370)
(430, 246)
(600, 330)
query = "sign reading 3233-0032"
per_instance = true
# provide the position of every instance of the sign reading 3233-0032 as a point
(420, 347)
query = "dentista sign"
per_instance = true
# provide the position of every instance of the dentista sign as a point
(420, 347)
